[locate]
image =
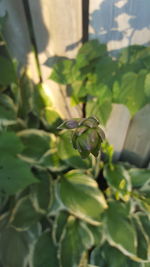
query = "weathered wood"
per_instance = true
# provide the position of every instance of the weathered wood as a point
(58, 32)
(137, 143)
(17, 35)
(120, 23)
(117, 126)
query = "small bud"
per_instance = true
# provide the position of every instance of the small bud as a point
(88, 142)
(87, 136)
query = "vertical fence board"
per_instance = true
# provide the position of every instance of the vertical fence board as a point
(137, 143)
(58, 32)
(17, 35)
(117, 126)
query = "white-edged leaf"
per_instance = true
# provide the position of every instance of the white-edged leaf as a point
(23, 215)
(77, 239)
(118, 178)
(107, 255)
(36, 143)
(81, 196)
(59, 225)
(119, 230)
(41, 193)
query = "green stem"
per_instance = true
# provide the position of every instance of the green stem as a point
(96, 165)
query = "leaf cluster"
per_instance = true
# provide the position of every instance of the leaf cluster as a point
(96, 78)
(52, 210)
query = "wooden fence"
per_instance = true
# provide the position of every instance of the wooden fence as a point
(57, 26)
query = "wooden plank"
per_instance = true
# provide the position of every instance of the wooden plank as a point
(117, 127)
(137, 143)
(58, 32)
(17, 35)
(120, 23)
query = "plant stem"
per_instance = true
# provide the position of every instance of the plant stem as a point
(96, 165)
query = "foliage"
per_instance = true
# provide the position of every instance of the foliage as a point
(54, 208)
(99, 80)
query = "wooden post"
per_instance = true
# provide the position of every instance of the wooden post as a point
(17, 35)
(58, 32)
(117, 127)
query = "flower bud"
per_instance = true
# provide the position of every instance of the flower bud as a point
(87, 136)
(87, 142)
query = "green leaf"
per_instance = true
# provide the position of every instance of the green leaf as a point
(8, 111)
(10, 144)
(7, 102)
(36, 143)
(41, 98)
(107, 255)
(132, 53)
(45, 252)
(52, 161)
(26, 91)
(50, 118)
(147, 85)
(143, 241)
(6, 117)
(68, 154)
(97, 88)
(41, 194)
(7, 72)
(2, 21)
(59, 225)
(118, 178)
(80, 194)
(106, 68)
(131, 91)
(24, 215)
(62, 71)
(145, 221)
(139, 176)
(77, 239)
(15, 175)
(97, 232)
(90, 51)
(10, 242)
(100, 110)
(119, 230)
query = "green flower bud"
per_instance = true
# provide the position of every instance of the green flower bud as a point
(87, 142)
(87, 136)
